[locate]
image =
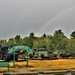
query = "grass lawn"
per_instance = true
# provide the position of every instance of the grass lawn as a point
(46, 65)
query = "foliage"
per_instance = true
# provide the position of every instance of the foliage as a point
(11, 41)
(71, 45)
(3, 42)
(72, 34)
(57, 41)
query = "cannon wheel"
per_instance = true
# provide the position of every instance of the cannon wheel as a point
(42, 56)
(5, 57)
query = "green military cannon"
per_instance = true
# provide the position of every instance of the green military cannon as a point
(42, 53)
(7, 52)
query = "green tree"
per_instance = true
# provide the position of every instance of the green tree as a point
(40, 43)
(31, 34)
(72, 34)
(44, 35)
(3, 42)
(18, 39)
(25, 41)
(29, 40)
(11, 41)
(71, 45)
(58, 41)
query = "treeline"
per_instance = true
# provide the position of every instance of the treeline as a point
(57, 41)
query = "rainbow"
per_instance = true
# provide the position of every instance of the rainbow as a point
(54, 18)
(18, 24)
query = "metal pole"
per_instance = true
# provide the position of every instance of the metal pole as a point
(14, 59)
(27, 59)
(9, 69)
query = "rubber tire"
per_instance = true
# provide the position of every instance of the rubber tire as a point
(42, 56)
(5, 57)
(31, 56)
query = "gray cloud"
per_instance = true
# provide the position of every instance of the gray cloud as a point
(24, 16)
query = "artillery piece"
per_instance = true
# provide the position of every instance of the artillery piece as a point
(42, 53)
(7, 52)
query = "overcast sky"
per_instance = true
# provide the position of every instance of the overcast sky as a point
(20, 17)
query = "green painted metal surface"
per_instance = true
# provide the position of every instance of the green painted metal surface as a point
(5, 64)
(27, 49)
(20, 47)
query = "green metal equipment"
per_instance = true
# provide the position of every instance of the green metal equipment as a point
(5, 64)
(27, 49)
